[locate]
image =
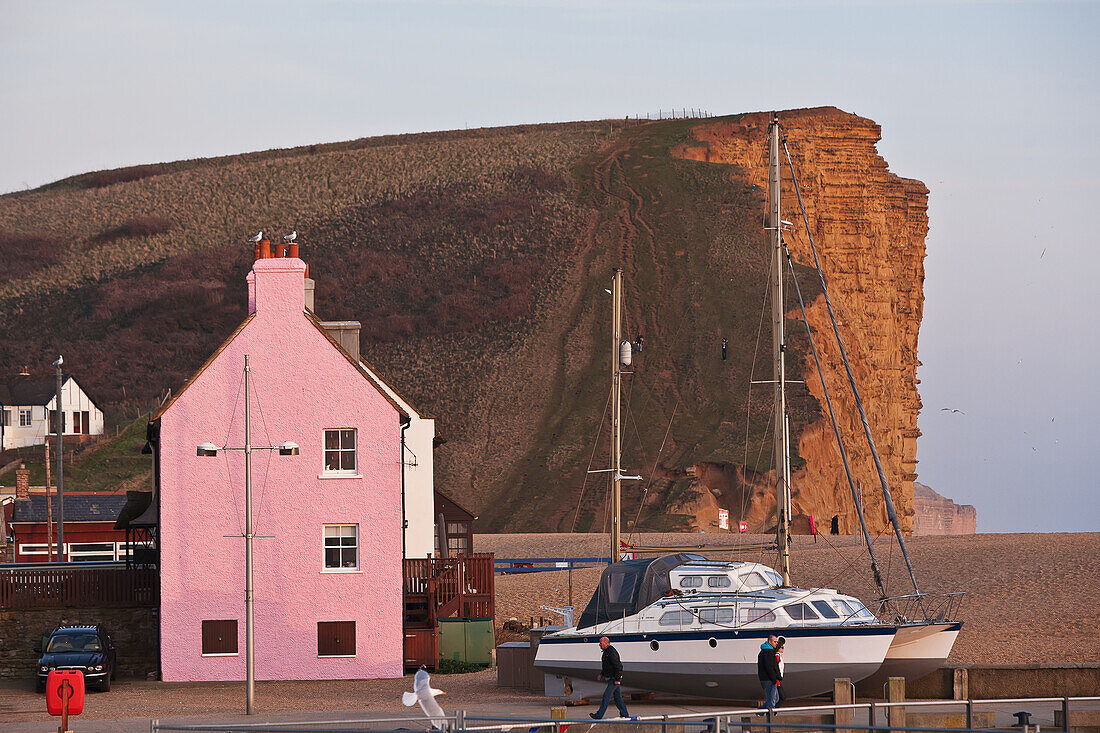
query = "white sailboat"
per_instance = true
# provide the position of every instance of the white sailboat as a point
(684, 624)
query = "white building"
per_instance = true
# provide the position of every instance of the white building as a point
(27, 404)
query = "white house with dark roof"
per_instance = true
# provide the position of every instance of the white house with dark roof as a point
(26, 404)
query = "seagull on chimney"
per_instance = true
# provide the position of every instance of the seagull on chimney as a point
(292, 236)
(257, 238)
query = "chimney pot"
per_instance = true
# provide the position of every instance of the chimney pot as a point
(257, 251)
(293, 249)
(265, 249)
(280, 250)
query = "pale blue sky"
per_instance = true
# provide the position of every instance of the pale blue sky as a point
(995, 106)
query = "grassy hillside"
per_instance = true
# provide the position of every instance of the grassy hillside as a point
(476, 261)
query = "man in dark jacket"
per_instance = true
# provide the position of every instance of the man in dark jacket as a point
(611, 669)
(767, 669)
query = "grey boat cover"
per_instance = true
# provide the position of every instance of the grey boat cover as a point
(628, 586)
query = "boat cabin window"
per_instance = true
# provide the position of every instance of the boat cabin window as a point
(677, 618)
(691, 581)
(774, 578)
(756, 616)
(719, 581)
(716, 615)
(800, 612)
(755, 580)
(825, 609)
(856, 609)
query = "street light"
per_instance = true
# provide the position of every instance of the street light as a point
(209, 450)
(60, 426)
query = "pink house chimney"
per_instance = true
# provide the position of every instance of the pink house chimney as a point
(277, 285)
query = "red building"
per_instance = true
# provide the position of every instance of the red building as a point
(89, 528)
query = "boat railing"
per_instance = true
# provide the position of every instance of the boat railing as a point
(920, 607)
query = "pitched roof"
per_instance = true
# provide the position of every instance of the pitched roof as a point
(78, 508)
(360, 366)
(136, 504)
(209, 360)
(24, 390)
(316, 324)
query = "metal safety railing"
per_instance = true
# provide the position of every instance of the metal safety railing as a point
(847, 718)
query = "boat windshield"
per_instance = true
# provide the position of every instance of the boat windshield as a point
(629, 586)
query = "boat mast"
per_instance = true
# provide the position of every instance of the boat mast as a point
(616, 404)
(779, 365)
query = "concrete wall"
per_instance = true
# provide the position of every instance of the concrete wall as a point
(134, 631)
(301, 386)
(1041, 680)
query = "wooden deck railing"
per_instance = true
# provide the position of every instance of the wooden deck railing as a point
(74, 586)
(454, 586)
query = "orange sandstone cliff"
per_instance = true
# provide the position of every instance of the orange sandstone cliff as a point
(868, 226)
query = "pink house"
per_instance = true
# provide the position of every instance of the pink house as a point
(327, 578)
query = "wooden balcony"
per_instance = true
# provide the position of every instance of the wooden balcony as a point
(436, 588)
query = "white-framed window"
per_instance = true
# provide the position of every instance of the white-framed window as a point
(81, 422)
(341, 547)
(25, 417)
(340, 451)
(89, 551)
(718, 581)
(29, 549)
(691, 581)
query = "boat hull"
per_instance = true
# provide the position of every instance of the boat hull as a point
(721, 664)
(917, 650)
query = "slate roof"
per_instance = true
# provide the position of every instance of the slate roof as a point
(19, 391)
(78, 508)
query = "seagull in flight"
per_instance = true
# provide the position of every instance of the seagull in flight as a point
(951, 409)
(424, 694)
(257, 238)
(291, 237)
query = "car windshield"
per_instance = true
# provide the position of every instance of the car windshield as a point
(74, 642)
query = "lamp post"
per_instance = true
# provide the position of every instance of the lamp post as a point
(208, 450)
(60, 465)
